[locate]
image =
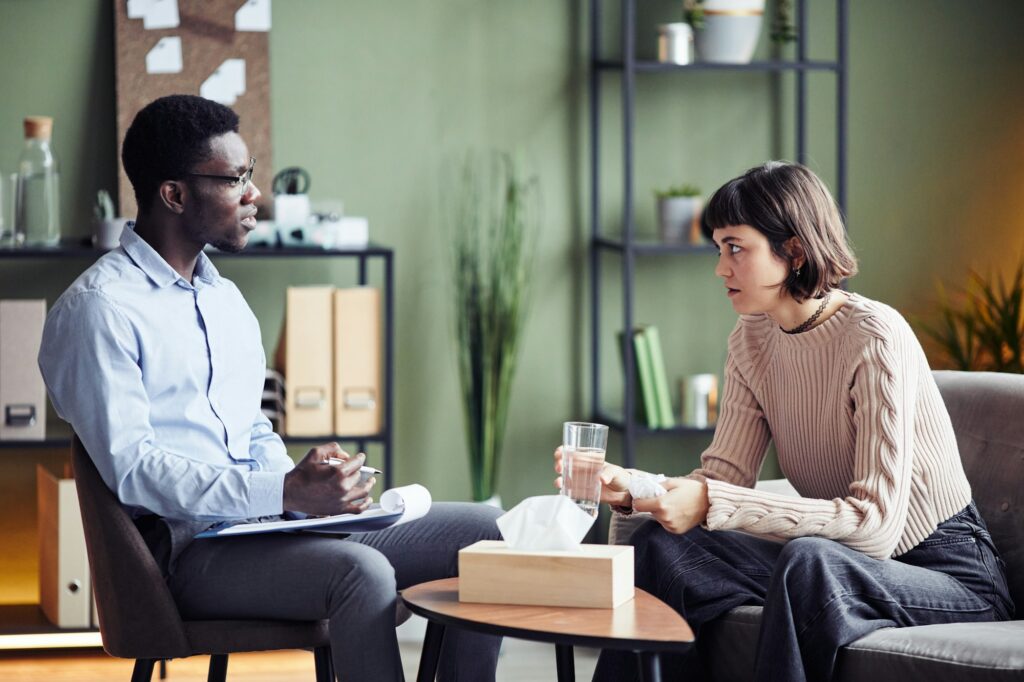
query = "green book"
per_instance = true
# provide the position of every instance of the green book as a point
(647, 393)
(663, 400)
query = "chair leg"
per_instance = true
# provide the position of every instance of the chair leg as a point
(143, 671)
(163, 668)
(218, 668)
(324, 664)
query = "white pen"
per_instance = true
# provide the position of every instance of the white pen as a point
(363, 471)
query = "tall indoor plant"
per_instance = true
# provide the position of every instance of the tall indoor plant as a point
(493, 216)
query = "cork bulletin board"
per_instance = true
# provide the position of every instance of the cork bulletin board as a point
(215, 48)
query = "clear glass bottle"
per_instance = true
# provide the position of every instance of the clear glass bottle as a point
(38, 205)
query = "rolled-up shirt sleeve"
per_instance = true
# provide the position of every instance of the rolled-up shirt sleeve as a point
(91, 362)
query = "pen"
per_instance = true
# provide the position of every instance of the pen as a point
(364, 471)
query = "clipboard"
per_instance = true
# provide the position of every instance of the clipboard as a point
(397, 506)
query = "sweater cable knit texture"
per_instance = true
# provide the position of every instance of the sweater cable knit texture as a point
(858, 424)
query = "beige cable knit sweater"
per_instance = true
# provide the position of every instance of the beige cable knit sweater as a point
(859, 426)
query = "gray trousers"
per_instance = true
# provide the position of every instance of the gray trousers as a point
(352, 582)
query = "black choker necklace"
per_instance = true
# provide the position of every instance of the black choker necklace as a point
(809, 322)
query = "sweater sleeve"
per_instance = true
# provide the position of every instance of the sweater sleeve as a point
(741, 437)
(871, 517)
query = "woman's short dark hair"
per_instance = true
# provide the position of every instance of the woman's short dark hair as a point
(168, 137)
(781, 201)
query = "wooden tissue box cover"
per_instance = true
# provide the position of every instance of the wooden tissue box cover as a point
(595, 576)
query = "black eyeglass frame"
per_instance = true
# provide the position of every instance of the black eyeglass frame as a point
(243, 180)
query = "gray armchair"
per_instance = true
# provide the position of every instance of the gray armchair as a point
(137, 615)
(987, 410)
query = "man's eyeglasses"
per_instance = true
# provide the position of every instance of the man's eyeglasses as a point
(241, 183)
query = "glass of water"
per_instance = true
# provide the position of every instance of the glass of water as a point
(583, 451)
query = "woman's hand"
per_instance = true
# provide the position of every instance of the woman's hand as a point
(684, 506)
(614, 482)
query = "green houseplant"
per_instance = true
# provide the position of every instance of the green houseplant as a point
(493, 218)
(981, 326)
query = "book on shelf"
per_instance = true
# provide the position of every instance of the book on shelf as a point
(647, 411)
(663, 398)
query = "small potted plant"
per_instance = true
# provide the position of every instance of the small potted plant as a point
(107, 227)
(727, 31)
(679, 214)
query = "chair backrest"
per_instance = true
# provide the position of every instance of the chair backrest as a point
(137, 615)
(987, 409)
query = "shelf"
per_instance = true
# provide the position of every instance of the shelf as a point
(651, 247)
(23, 626)
(617, 423)
(74, 248)
(647, 66)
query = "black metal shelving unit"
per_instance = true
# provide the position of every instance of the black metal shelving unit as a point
(628, 247)
(25, 620)
(59, 437)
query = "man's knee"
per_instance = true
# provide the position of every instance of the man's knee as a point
(362, 573)
(468, 522)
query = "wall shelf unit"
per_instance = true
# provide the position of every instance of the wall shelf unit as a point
(627, 247)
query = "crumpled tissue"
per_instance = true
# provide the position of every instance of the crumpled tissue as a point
(544, 522)
(643, 485)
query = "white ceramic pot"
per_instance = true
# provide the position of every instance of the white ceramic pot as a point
(107, 233)
(679, 219)
(731, 31)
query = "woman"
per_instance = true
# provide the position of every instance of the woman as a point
(885, 532)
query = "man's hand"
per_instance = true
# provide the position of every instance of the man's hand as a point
(318, 488)
(684, 506)
(614, 482)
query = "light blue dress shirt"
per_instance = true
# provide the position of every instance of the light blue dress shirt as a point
(162, 381)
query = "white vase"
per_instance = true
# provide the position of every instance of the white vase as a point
(731, 31)
(679, 219)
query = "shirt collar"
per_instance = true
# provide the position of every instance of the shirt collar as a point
(156, 268)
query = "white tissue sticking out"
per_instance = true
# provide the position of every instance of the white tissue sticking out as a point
(545, 522)
(642, 486)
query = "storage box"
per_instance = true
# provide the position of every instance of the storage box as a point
(65, 594)
(595, 576)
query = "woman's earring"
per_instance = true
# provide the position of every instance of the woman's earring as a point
(798, 272)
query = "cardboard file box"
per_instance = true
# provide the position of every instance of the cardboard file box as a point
(65, 593)
(22, 393)
(595, 576)
(308, 361)
(357, 376)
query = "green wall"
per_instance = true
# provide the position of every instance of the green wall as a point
(373, 97)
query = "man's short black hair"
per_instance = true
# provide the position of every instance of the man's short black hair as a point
(168, 137)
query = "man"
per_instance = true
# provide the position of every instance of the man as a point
(157, 363)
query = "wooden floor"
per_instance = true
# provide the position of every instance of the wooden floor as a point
(520, 662)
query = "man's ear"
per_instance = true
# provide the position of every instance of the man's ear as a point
(172, 195)
(797, 255)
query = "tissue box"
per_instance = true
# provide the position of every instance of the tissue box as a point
(595, 576)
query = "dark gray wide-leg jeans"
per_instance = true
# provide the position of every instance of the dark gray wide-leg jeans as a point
(351, 581)
(818, 595)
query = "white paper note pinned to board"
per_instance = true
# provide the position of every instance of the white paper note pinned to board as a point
(137, 8)
(226, 84)
(161, 14)
(165, 57)
(254, 15)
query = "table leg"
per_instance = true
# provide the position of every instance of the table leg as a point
(431, 652)
(565, 663)
(650, 666)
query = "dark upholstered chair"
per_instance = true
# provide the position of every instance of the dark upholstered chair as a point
(137, 615)
(987, 411)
